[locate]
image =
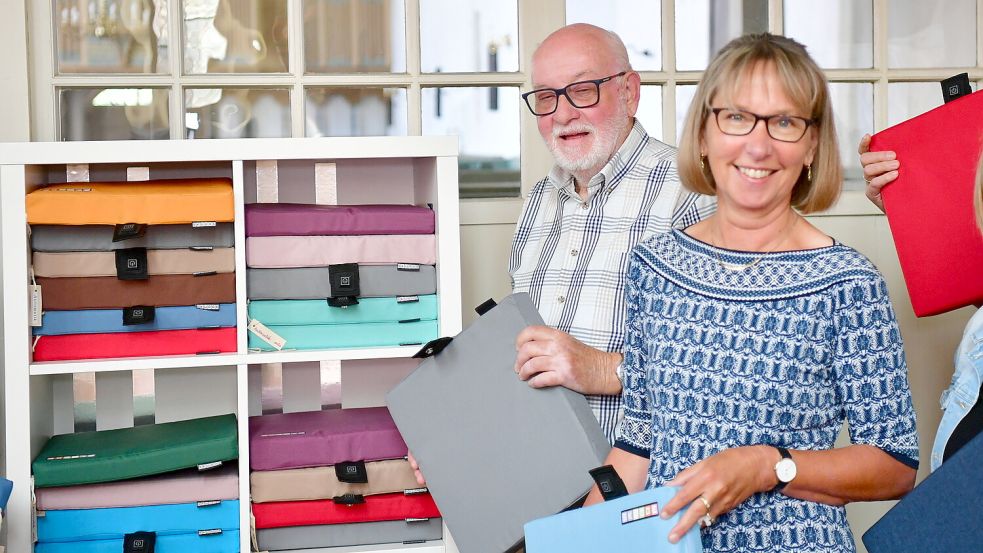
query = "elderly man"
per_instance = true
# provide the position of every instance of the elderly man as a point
(611, 187)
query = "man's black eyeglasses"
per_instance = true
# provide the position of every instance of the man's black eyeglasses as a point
(581, 94)
(784, 128)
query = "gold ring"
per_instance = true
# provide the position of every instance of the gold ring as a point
(706, 503)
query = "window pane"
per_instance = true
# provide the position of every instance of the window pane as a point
(104, 37)
(486, 121)
(853, 112)
(838, 33)
(469, 36)
(649, 112)
(906, 100)
(703, 27)
(637, 22)
(366, 36)
(113, 113)
(931, 34)
(244, 36)
(684, 98)
(237, 113)
(355, 112)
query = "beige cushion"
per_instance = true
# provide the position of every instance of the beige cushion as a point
(321, 482)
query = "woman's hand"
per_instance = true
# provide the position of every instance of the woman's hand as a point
(880, 168)
(723, 481)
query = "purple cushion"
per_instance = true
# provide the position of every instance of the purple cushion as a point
(322, 438)
(333, 220)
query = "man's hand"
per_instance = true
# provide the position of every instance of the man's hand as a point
(416, 469)
(548, 357)
(880, 168)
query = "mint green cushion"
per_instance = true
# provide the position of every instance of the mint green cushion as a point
(318, 312)
(357, 335)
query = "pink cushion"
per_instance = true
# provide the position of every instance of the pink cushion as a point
(274, 252)
(176, 487)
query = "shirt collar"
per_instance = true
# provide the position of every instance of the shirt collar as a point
(611, 172)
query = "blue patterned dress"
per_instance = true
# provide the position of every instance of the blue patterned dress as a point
(779, 353)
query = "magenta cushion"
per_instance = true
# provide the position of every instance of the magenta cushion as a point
(315, 220)
(322, 438)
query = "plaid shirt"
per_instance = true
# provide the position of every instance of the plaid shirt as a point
(571, 255)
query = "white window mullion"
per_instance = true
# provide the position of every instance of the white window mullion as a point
(880, 64)
(175, 52)
(44, 122)
(776, 17)
(414, 98)
(295, 66)
(669, 68)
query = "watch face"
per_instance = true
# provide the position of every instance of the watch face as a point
(785, 470)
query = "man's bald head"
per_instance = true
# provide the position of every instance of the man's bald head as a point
(605, 46)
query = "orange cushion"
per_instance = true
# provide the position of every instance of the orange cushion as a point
(160, 202)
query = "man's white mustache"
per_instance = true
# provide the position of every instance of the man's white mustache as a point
(572, 129)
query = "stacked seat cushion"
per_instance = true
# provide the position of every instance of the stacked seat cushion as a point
(271, 252)
(314, 220)
(367, 310)
(342, 535)
(323, 438)
(375, 508)
(74, 525)
(112, 455)
(186, 486)
(160, 202)
(159, 262)
(99, 238)
(135, 344)
(215, 540)
(362, 335)
(303, 283)
(390, 476)
(96, 321)
(159, 290)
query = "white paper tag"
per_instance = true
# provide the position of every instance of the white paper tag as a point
(407, 299)
(208, 503)
(208, 306)
(212, 532)
(35, 304)
(77, 173)
(407, 267)
(266, 335)
(325, 184)
(203, 224)
(137, 173)
(209, 466)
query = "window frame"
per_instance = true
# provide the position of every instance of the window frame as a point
(536, 19)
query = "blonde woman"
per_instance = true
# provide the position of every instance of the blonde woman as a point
(752, 335)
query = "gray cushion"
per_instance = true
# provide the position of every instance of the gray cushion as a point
(99, 238)
(338, 535)
(311, 283)
(464, 412)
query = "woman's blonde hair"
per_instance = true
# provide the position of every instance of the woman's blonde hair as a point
(804, 83)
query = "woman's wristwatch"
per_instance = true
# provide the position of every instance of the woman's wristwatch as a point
(785, 469)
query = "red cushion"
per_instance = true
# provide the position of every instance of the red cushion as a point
(135, 344)
(377, 508)
(930, 205)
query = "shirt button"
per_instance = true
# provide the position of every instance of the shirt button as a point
(560, 299)
(962, 404)
(574, 253)
(583, 206)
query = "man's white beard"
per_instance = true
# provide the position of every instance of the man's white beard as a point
(602, 148)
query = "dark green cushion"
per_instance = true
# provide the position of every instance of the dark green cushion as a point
(110, 455)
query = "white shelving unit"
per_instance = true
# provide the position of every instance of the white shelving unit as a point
(39, 396)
